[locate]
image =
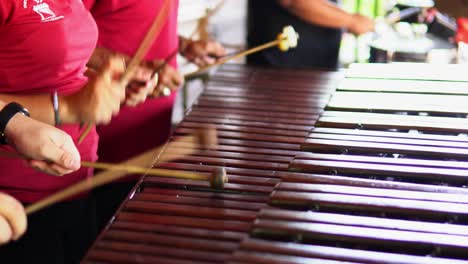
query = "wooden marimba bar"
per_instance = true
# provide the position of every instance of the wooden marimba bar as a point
(378, 177)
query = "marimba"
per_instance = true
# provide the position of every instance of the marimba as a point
(372, 172)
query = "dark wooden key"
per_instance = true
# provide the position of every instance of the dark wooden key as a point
(364, 221)
(229, 124)
(369, 204)
(252, 143)
(392, 121)
(300, 178)
(254, 199)
(193, 201)
(257, 184)
(231, 155)
(337, 253)
(394, 102)
(363, 235)
(143, 251)
(178, 231)
(373, 192)
(390, 140)
(183, 221)
(259, 129)
(167, 240)
(241, 148)
(252, 173)
(260, 188)
(212, 212)
(226, 162)
(263, 107)
(407, 173)
(239, 92)
(400, 71)
(455, 140)
(266, 258)
(271, 95)
(117, 257)
(248, 136)
(348, 146)
(403, 86)
(278, 101)
(253, 115)
(384, 160)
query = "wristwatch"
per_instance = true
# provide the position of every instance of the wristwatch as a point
(6, 114)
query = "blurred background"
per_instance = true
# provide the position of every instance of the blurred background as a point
(420, 31)
(228, 25)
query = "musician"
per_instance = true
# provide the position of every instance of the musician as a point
(319, 24)
(44, 47)
(122, 26)
(13, 219)
(49, 149)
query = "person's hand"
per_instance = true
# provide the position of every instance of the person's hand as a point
(13, 221)
(100, 99)
(203, 52)
(142, 82)
(169, 77)
(49, 149)
(361, 24)
(141, 86)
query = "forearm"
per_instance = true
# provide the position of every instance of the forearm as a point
(99, 57)
(41, 108)
(102, 55)
(318, 12)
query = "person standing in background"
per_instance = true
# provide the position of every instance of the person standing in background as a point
(318, 22)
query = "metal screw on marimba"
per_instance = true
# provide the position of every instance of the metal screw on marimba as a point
(453, 219)
(298, 238)
(359, 126)
(344, 151)
(315, 207)
(436, 252)
(333, 172)
(218, 178)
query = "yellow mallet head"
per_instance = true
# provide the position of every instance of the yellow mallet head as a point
(288, 39)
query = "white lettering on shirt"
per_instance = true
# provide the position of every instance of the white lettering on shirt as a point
(43, 9)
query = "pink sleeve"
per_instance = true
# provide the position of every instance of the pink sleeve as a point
(6, 11)
(89, 4)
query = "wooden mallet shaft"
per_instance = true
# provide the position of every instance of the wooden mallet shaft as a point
(144, 47)
(236, 56)
(144, 160)
(145, 171)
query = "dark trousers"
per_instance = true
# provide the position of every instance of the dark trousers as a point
(108, 199)
(59, 234)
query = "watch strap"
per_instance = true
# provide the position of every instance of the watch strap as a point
(6, 114)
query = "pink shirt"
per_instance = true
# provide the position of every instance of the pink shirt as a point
(44, 46)
(122, 26)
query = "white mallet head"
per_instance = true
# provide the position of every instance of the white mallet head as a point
(288, 38)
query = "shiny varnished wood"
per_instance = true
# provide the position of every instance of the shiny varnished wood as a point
(308, 184)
